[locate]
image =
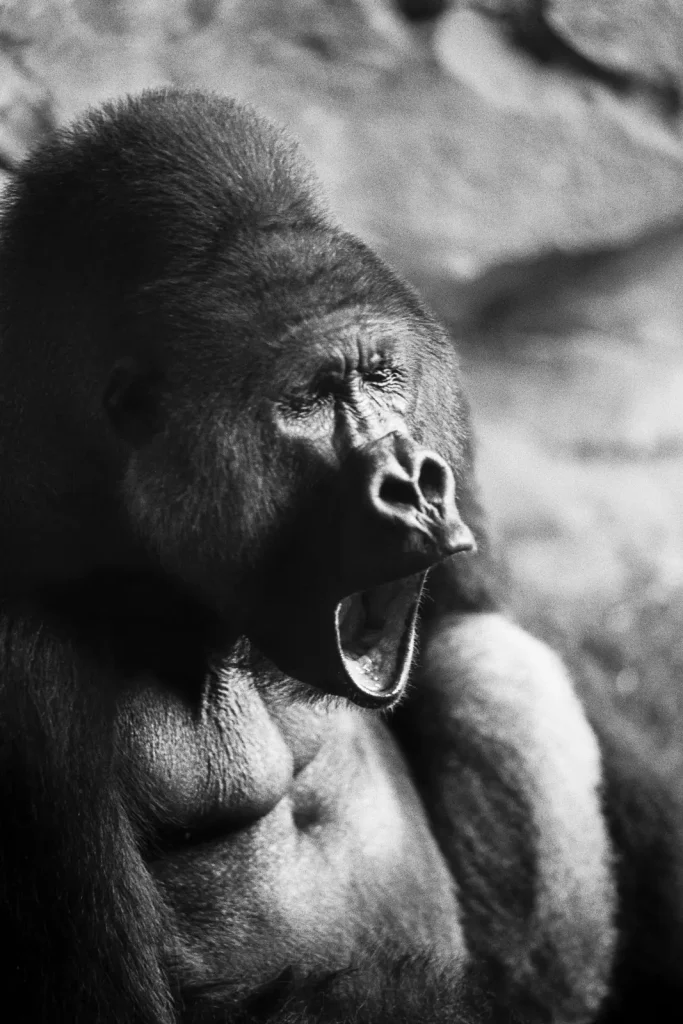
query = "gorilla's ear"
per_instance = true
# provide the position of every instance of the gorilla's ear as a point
(132, 402)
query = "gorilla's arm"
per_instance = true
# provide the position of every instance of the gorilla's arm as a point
(77, 901)
(509, 771)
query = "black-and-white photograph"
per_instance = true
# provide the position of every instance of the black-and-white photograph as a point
(341, 511)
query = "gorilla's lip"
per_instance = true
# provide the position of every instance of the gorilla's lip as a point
(375, 639)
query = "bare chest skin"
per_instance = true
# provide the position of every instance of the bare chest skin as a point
(298, 839)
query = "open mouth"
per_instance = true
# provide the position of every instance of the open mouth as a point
(375, 639)
(360, 648)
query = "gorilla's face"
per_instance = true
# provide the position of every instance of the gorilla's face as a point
(293, 469)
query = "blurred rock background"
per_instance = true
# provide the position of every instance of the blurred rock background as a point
(521, 161)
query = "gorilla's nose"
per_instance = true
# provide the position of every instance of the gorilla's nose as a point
(413, 489)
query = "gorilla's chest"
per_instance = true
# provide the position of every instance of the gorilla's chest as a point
(296, 839)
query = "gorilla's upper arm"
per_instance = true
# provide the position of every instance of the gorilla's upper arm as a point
(510, 773)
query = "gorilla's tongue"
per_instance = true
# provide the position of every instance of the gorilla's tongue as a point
(361, 648)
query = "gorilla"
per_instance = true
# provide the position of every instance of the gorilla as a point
(269, 749)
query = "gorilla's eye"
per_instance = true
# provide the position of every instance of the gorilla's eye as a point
(327, 389)
(302, 403)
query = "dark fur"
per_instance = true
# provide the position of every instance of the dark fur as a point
(150, 258)
(644, 810)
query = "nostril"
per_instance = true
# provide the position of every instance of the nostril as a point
(394, 491)
(432, 481)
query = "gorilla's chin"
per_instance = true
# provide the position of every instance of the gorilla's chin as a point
(360, 648)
